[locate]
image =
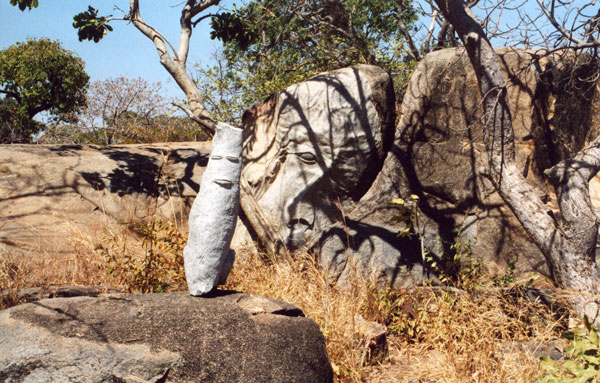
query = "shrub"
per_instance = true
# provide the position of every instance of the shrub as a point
(159, 269)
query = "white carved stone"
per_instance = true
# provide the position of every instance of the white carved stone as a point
(207, 257)
(311, 150)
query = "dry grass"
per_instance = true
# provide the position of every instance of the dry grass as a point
(81, 266)
(488, 334)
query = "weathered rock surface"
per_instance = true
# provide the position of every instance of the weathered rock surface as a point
(373, 340)
(13, 297)
(207, 256)
(51, 193)
(172, 337)
(311, 150)
(437, 154)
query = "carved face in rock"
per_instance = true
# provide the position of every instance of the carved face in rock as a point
(308, 149)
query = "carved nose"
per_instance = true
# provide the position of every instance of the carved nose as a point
(298, 233)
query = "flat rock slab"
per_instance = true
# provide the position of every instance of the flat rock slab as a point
(52, 193)
(171, 337)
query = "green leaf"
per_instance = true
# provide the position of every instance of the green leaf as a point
(594, 337)
(398, 201)
(573, 366)
(549, 364)
(24, 4)
(90, 26)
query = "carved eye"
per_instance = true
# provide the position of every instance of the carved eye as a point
(233, 159)
(216, 157)
(307, 157)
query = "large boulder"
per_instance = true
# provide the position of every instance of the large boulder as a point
(437, 154)
(311, 150)
(52, 193)
(172, 337)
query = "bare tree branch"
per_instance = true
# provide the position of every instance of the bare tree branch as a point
(11, 94)
(177, 67)
(568, 242)
(568, 34)
(414, 51)
(191, 115)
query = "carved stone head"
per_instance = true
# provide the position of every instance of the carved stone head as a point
(313, 148)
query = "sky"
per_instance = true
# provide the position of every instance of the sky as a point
(123, 52)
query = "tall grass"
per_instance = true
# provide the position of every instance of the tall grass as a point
(488, 333)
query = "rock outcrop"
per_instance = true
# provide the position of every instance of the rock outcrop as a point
(50, 193)
(437, 155)
(311, 150)
(171, 337)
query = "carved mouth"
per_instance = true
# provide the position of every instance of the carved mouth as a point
(223, 182)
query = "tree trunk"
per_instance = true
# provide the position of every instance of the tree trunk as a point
(568, 241)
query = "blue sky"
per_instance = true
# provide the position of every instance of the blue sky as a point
(123, 52)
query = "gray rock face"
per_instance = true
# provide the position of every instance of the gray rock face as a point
(311, 147)
(437, 154)
(52, 193)
(169, 337)
(213, 217)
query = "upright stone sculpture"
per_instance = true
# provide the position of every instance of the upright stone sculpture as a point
(207, 257)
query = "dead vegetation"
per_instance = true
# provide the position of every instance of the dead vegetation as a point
(487, 330)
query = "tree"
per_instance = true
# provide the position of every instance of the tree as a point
(568, 241)
(94, 27)
(119, 108)
(271, 44)
(124, 110)
(38, 76)
(226, 90)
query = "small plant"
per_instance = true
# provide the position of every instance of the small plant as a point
(507, 278)
(161, 266)
(408, 215)
(457, 267)
(582, 361)
(397, 310)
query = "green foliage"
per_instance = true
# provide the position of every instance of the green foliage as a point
(227, 93)
(457, 267)
(38, 76)
(319, 35)
(24, 4)
(272, 44)
(399, 311)
(90, 26)
(407, 214)
(233, 27)
(15, 125)
(582, 361)
(159, 269)
(508, 277)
